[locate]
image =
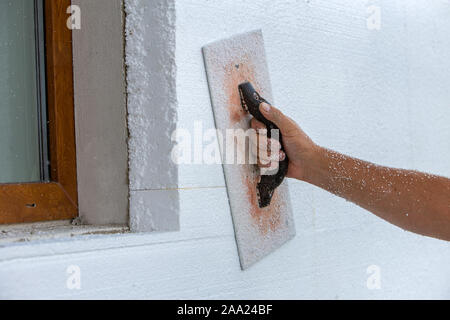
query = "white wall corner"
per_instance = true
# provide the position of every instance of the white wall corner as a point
(152, 114)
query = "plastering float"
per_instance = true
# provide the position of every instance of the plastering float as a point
(262, 221)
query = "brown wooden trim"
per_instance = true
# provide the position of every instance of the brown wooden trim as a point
(56, 200)
(34, 202)
(60, 96)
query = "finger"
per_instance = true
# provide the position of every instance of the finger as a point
(269, 171)
(271, 164)
(265, 144)
(287, 125)
(259, 127)
(265, 157)
(262, 164)
(261, 158)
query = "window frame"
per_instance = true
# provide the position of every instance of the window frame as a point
(57, 199)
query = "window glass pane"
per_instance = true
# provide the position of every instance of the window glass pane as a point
(20, 144)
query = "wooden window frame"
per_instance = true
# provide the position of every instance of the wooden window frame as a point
(58, 199)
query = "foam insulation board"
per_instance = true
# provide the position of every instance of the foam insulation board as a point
(228, 63)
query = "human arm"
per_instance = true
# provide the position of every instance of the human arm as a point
(411, 200)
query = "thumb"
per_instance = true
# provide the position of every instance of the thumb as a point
(286, 124)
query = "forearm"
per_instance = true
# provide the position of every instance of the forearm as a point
(412, 200)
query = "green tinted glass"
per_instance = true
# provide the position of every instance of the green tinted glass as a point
(23, 150)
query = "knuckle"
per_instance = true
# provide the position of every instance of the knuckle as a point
(275, 144)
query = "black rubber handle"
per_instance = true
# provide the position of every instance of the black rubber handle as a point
(251, 100)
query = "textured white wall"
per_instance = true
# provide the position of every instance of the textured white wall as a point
(152, 108)
(379, 95)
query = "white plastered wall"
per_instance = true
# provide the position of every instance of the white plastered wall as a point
(381, 95)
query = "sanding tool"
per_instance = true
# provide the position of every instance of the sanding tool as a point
(238, 77)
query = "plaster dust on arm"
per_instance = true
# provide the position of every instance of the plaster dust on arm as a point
(411, 200)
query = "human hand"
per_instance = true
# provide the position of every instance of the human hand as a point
(297, 144)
